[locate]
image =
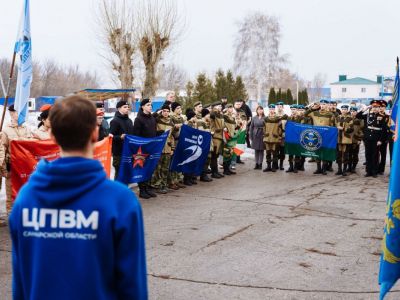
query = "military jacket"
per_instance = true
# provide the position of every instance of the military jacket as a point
(345, 135)
(177, 120)
(358, 133)
(374, 125)
(217, 124)
(321, 118)
(272, 129)
(13, 132)
(163, 125)
(230, 124)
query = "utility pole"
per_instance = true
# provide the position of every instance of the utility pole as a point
(297, 92)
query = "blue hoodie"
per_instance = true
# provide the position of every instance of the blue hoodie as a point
(77, 235)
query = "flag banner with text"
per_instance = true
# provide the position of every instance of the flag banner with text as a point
(192, 150)
(26, 154)
(311, 141)
(140, 157)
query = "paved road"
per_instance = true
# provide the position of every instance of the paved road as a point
(261, 236)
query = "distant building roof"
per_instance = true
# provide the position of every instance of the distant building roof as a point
(356, 81)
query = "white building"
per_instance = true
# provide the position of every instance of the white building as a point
(355, 89)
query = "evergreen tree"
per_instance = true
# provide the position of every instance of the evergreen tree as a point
(279, 95)
(305, 97)
(230, 86)
(283, 97)
(272, 96)
(289, 97)
(240, 91)
(221, 84)
(188, 100)
(204, 90)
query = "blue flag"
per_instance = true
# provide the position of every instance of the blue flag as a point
(140, 157)
(23, 50)
(311, 141)
(389, 271)
(395, 100)
(192, 150)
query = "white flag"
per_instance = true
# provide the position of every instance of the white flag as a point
(23, 49)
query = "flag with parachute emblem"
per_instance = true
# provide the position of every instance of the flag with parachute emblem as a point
(389, 271)
(23, 51)
(192, 150)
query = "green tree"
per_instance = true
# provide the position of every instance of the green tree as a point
(272, 96)
(240, 91)
(230, 86)
(221, 84)
(204, 90)
(289, 97)
(188, 100)
(279, 95)
(305, 97)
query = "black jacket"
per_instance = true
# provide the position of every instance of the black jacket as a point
(103, 132)
(120, 124)
(375, 126)
(145, 125)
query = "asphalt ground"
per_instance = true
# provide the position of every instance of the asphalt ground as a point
(259, 235)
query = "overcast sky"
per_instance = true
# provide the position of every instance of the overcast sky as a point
(353, 37)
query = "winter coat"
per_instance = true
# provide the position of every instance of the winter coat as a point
(145, 125)
(120, 124)
(257, 133)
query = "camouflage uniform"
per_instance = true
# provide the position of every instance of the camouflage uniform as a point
(217, 128)
(321, 118)
(230, 125)
(160, 176)
(345, 140)
(358, 136)
(273, 133)
(11, 133)
(294, 161)
(176, 178)
(281, 147)
(202, 124)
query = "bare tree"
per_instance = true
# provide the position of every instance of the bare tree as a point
(117, 27)
(52, 79)
(158, 27)
(317, 84)
(257, 57)
(172, 77)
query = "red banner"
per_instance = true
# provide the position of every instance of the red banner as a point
(26, 154)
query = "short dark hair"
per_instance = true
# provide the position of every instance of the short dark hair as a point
(73, 120)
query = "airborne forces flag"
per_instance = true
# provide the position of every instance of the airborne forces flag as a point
(390, 258)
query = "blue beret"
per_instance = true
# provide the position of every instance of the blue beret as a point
(324, 101)
(294, 106)
(280, 103)
(271, 106)
(353, 108)
(301, 106)
(344, 106)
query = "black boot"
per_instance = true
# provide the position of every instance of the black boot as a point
(345, 169)
(193, 179)
(260, 166)
(238, 160)
(281, 165)
(205, 178)
(324, 169)
(268, 168)
(256, 167)
(187, 180)
(295, 167)
(319, 169)
(143, 194)
(274, 166)
(226, 169)
(150, 192)
(340, 170)
(329, 167)
(353, 168)
(290, 170)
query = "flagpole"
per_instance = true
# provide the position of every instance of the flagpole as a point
(8, 90)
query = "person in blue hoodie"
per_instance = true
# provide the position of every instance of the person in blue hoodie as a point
(75, 233)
